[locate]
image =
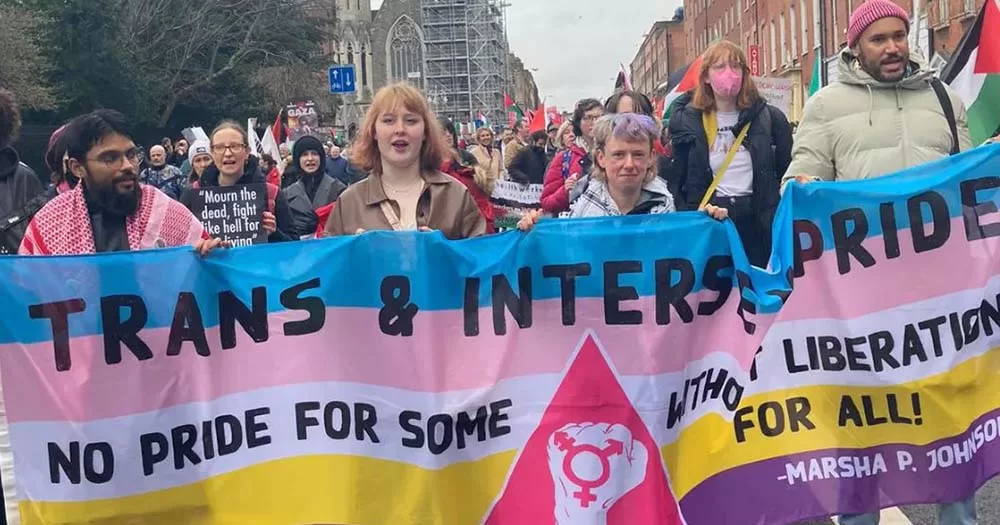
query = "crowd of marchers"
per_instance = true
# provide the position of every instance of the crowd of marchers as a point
(724, 151)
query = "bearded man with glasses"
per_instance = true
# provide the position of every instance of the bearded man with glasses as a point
(109, 211)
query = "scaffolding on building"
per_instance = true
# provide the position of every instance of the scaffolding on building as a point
(465, 55)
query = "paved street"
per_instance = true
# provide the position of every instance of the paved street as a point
(987, 506)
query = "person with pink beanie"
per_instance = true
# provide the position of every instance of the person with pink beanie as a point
(886, 112)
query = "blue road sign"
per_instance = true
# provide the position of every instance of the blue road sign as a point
(342, 79)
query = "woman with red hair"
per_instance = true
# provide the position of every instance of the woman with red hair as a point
(730, 148)
(401, 147)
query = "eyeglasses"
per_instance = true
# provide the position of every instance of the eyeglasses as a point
(113, 159)
(219, 149)
(591, 118)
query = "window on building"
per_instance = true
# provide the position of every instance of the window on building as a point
(406, 54)
(364, 67)
(774, 49)
(815, 17)
(805, 27)
(781, 41)
(793, 31)
(836, 25)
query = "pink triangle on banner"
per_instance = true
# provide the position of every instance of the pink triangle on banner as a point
(591, 460)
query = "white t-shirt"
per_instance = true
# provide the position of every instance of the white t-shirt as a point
(738, 180)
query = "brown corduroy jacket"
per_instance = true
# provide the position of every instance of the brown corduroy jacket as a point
(444, 205)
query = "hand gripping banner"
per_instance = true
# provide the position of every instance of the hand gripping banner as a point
(616, 371)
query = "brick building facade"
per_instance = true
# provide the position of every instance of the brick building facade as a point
(787, 33)
(662, 52)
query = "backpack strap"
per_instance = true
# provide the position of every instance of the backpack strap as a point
(949, 112)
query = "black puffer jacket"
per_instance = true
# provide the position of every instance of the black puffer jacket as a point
(251, 175)
(528, 167)
(769, 143)
(18, 186)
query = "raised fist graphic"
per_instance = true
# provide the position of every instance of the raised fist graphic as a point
(593, 465)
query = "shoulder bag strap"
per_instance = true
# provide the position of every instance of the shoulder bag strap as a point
(725, 165)
(390, 215)
(949, 113)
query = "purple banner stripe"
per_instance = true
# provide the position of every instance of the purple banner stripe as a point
(836, 481)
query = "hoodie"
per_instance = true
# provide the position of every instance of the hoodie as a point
(251, 175)
(310, 191)
(859, 127)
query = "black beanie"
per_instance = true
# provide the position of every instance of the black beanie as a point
(308, 143)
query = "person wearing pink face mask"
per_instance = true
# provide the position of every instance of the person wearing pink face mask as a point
(730, 148)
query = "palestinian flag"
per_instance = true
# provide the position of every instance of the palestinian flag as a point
(514, 112)
(974, 73)
(688, 82)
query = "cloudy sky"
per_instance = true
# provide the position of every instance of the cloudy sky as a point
(577, 45)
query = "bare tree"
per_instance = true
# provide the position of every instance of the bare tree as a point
(24, 64)
(178, 47)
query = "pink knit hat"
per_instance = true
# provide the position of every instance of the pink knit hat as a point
(870, 12)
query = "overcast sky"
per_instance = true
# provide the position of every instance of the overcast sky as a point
(577, 45)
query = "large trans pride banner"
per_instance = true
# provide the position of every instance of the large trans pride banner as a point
(617, 371)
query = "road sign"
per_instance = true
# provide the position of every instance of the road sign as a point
(755, 60)
(342, 79)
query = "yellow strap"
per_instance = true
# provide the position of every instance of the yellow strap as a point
(726, 163)
(711, 126)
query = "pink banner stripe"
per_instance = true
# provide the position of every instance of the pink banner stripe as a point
(438, 359)
(891, 283)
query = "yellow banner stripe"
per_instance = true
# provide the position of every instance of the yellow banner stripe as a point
(949, 403)
(301, 491)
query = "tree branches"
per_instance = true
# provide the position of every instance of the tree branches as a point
(24, 60)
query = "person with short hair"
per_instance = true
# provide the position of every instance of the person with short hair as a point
(883, 114)
(110, 210)
(180, 153)
(19, 186)
(506, 136)
(402, 148)
(162, 175)
(624, 180)
(529, 165)
(516, 146)
(886, 112)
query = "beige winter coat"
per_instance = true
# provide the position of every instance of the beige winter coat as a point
(491, 161)
(860, 128)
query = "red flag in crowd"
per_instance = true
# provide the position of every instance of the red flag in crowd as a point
(554, 117)
(537, 122)
(278, 129)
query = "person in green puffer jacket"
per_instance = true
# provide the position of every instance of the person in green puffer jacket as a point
(883, 114)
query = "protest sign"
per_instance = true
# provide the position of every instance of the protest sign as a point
(303, 119)
(511, 200)
(623, 370)
(232, 213)
(777, 92)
